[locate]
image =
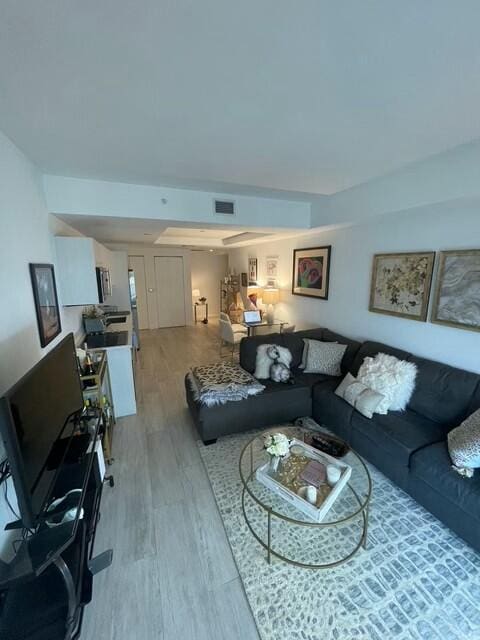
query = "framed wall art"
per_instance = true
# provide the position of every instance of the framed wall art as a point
(46, 302)
(244, 280)
(457, 291)
(271, 268)
(311, 272)
(252, 271)
(401, 284)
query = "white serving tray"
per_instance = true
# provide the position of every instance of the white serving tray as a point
(317, 514)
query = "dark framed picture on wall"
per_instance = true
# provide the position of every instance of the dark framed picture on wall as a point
(311, 272)
(46, 302)
(401, 284)
(244, 280)
(252, 271)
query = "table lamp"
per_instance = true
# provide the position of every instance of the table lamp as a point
(270, 297)
(195, 294)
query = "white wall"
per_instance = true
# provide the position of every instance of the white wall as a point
(101, 198)
(446, 226)
(26, 235)
(208, 269)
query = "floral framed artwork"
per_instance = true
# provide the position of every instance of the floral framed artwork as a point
(311, 272)
(46, 302)
(457, 291)
(401, 284)
(252, 271)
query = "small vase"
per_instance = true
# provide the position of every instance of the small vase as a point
(274, 464)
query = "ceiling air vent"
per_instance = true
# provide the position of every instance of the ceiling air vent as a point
(225, 207)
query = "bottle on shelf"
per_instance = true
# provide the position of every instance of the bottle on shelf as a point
(88, 370)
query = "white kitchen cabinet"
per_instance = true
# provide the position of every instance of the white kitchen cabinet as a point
(76, 271)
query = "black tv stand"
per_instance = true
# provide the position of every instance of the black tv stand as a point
(44, 589)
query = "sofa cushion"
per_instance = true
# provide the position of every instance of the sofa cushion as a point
(352, 347)
(442, 393)
(371, 349)
(277, 404)
(310, 379)
(331, 411)
(475, 400)
(397, 434)
(433, 465)
(248, 348)
(294, 342)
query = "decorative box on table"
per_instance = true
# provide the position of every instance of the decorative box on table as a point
(285, 482)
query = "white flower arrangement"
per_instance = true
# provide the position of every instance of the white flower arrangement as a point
(277, 445)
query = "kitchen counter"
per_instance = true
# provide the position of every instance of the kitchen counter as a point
(121, 364)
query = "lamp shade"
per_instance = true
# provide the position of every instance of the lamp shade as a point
(270, 296)
(255, 290)
(195, 293)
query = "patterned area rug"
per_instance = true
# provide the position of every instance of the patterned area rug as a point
(416, 579)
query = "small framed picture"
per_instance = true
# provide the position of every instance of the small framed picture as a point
(46, 302)
(252, 271)
(244, 280)
(311, 272)
(401, 284)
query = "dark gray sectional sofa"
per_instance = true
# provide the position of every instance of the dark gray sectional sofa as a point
(409, 447)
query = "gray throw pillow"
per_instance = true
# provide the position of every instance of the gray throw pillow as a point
(464, 445)
(324, 357)
(359, 396)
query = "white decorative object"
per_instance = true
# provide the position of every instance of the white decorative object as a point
(276, 444)
(464, 445)
(311, 494)
(363, 399)
(263, 362)
(393, 378)
(333, 474)
(317, 514)
(324, 357)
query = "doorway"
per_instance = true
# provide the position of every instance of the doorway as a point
(170, 289)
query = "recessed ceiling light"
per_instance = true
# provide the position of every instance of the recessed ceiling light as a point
(211, 250)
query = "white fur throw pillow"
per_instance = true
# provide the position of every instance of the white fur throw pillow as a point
(263, 362)
(464, 445)
(393, 378)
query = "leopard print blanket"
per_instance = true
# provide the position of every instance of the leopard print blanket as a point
(222, 382)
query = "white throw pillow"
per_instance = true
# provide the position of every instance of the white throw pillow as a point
(393, 378)
(363, 399)
(464, 445)
(263, 362)
(324, 357)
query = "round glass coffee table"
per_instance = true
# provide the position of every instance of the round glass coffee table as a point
(285, 531)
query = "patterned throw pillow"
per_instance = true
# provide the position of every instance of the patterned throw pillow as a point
(363, 399)
(324, 357)
(464, 445)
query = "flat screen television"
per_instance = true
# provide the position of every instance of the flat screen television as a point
(33, 415)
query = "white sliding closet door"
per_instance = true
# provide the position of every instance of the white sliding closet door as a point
(169, 278)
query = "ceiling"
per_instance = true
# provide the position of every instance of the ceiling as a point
(172, 233)
(311, 96)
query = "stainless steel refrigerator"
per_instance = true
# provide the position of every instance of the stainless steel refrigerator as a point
(133, 303)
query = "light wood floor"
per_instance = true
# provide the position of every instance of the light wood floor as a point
(173, 576)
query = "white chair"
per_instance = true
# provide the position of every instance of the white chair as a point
(230, 333)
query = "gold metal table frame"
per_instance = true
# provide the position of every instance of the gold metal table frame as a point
(363, 505)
